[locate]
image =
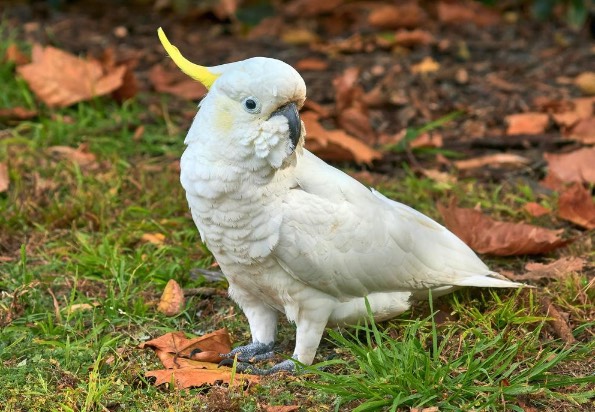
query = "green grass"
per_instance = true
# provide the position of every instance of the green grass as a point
(75, 234)
(484, 366)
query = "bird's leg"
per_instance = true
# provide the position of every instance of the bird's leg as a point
(310, 328)
(263, 326)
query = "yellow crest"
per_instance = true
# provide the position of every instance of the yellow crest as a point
(200, 73)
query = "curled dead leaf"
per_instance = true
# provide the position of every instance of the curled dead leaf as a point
(576, 205)
(527, 123)
(466, 12)
(410, 38)
(206, 348)
(335, 144)
(486, 235)
(311, 64)
(154, 238)
(558, 322)
(60, 79)
(281, 408)
(172, 300)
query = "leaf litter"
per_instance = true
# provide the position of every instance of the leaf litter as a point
(194, 362)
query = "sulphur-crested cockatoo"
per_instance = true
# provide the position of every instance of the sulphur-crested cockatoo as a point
(292, 234)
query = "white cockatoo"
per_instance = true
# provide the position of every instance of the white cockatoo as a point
(292, 234)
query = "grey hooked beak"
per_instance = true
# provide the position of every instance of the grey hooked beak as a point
(290, 111)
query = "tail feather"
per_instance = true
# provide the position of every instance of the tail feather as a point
(493, 280)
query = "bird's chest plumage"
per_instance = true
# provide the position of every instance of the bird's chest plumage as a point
(234, 214)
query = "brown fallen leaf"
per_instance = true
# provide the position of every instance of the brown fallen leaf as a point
(18, 113)
(535, 209)
(311, 64)
(438, 176)
(497, 159)
(558, 322)
(154, 238)
(79, 307)
(4, 179)
(281, 408)
(172, 300)
(194, 362)
(577, 166)
(60, 79)
(583, 131)
(14, 55)
(466, 12)
(557, 269)
(430, 409)
(576, 205)
(410, 38)
(427, 65)
(335, 144)
(408, 15)
(527, 123)
(206, 348)
(175, 82)
(486, 235)
(190, 377)
(352, 112)
(81, 155)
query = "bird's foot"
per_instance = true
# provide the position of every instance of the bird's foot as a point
(253, 352)
(287, 366)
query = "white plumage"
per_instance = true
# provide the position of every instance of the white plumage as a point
(294, 235)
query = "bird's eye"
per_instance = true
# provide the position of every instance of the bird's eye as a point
(251, 104)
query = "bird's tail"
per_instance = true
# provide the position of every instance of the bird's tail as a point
(492, 280)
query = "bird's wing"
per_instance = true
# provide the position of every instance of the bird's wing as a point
(339, 237)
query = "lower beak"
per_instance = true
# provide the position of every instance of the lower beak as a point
(290, 111)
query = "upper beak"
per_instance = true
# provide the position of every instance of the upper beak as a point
(290, 111)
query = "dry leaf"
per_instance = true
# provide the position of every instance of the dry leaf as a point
(18, 113)
(557, 269)
(408, 15)
(61, 79)
(297, 36)
(466, 12)
(281, 408)
(527, 123)
(586, 82)
(577, 166)
(558, 322)
(4, 179)
(583, 131)
(172, 300)
(486, 235)
(311, 64)
(193, 362)
(154, 238)
(175, 82)
(80, 155)
(427, 65)
(352, 113)
(427, 140)
(576, 205)
(535, 209)
(191, 377)
(438, 176)
(492, 160)
(335, 144)
(410, 38)
(78, 307)
(14, 55)
(206, 348)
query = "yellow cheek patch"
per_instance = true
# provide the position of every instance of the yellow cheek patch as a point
(223, 118)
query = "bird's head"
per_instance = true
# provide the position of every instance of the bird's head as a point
(251, 109)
